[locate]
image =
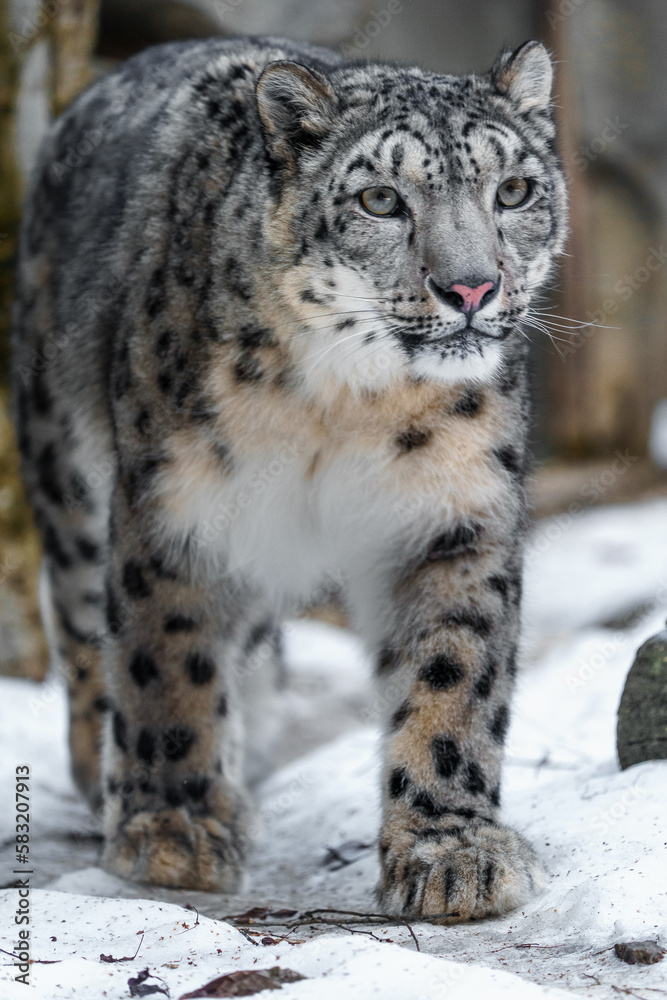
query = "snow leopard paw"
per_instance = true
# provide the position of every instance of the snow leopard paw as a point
(171, 848)
(457, 873)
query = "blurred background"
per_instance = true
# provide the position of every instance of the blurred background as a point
(600, 386)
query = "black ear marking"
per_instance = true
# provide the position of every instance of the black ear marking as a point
(525, 76)
(297, 107)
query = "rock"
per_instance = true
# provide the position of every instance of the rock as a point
(642, 714)
(639, 952)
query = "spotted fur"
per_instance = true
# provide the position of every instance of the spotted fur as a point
(236, 387)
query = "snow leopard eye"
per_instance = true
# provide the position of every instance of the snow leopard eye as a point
(379, 200)
(513, 192)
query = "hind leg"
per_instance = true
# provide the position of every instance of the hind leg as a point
(80, 665)
(67, 476)
(263, 678)
(77, 658)
(75, 571)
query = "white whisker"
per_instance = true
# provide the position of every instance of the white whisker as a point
(332, 316)
(337, 343)
(360, 298)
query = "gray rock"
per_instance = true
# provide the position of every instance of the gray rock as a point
(642, 714)
(639, 952)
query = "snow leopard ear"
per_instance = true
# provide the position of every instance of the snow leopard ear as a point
(525, 75)
(297, 107)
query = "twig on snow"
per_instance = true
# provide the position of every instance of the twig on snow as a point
(532, 944)
(247, 936)
(189, 906)
(625, 989)
(34, 961)
(125, 958)
(414, 936)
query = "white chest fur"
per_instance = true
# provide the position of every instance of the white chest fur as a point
(306, 494)
(287, 520)
(293, 520)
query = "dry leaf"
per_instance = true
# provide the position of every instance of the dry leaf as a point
(140, 988)
(245, 984)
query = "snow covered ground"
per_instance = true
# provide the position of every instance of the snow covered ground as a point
(596, 588)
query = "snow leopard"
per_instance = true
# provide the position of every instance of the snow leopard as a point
(268, 343)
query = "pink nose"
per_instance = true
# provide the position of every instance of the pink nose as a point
(472, 297)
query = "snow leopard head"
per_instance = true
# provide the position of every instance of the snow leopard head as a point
(414, 215)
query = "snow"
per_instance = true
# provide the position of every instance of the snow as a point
(596, 589)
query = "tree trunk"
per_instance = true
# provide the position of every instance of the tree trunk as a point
(71, 33)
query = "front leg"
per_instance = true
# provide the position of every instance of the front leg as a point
(175, 811)
(447, 672)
